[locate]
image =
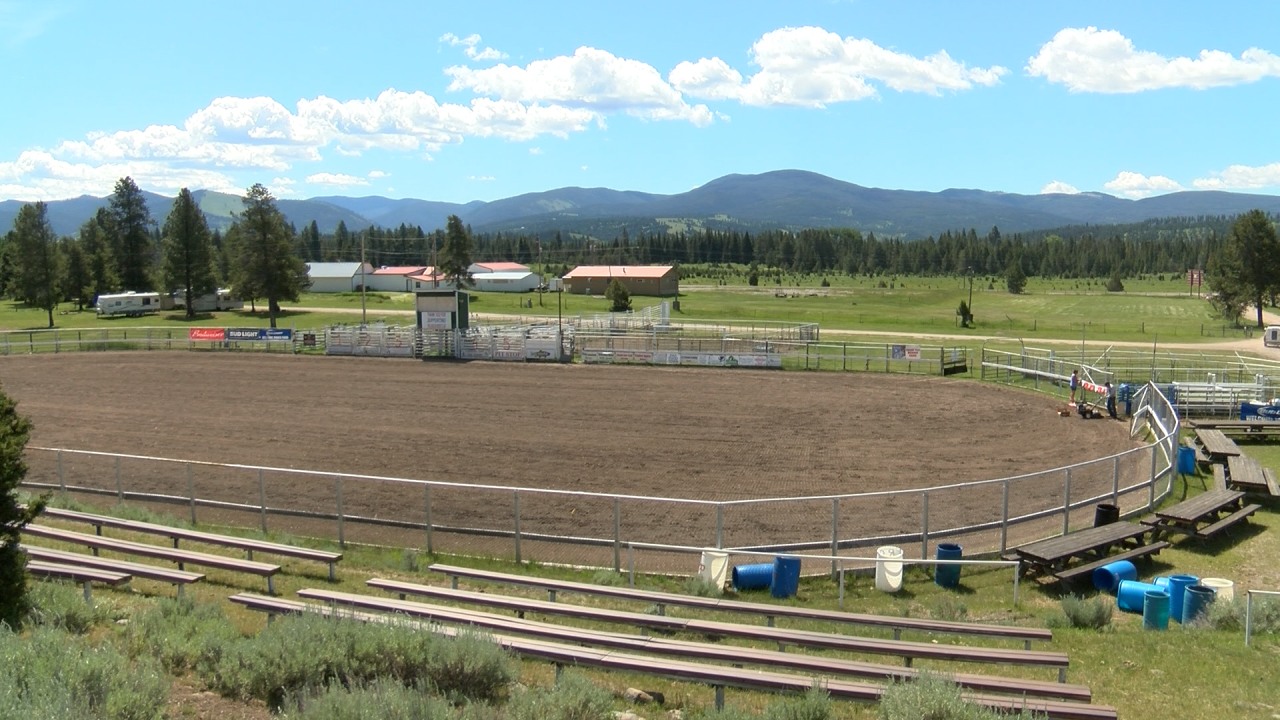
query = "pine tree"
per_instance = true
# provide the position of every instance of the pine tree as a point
(265, 262)
(77, 282)
(37, 266)
(131, 235)
(96, 245)
(455, 256)
(14, 431)
(618, 295)
(188, 252)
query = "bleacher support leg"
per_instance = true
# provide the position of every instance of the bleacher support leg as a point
(271, 588)
(1062, 675)
(719, 697)
(332, 577)
(88, 593)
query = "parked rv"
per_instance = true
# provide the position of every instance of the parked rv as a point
(220, 300)
(1271, 337)
(132, 304)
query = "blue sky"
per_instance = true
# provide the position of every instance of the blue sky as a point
(479, 101)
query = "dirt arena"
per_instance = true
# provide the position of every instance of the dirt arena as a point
(661, 432)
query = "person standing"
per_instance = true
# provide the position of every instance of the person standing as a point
(1075, 384)
(1111, 399)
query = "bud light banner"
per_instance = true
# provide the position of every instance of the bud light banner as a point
(260, 334)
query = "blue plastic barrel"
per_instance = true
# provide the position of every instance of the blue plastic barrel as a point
(1177, 587)
(1186, 461)
(752, 577)
(1196, 600)
(1108, 576)
(948, 576)
(1161, 582)
(786, 577)
(1131, 595)
(1155, 610)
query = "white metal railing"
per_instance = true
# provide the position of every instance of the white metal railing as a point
(1248, 611)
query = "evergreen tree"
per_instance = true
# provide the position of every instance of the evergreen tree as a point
(1015, 279)
(455, 256)
(37, 266)
(14, 431)
(96, 246)
(188, 252)
(265, 263)
(77, 282)
(618, 295)
(1256, 251)
(131, 235)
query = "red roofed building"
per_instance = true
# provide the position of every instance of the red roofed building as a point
(637, 279)
(492, 267)
(394, 279)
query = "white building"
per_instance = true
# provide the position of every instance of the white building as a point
(493, 267)
(429, 280)
(337, 277)
(395, 279)
(511, 281)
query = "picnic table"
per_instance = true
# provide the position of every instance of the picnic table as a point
(1201, 516)
(1217, 446)
(1091, 546)
(1248, 474)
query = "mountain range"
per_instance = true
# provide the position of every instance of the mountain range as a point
(787, 199)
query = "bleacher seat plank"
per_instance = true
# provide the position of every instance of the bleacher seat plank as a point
(181, 557)
(175, 534)
(83, 575)
(729, 605)
(149, 572)
(714, 675)
(804, 638)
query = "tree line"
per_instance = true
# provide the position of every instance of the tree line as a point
(121, 248)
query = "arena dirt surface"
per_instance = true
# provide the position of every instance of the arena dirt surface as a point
(663, 432)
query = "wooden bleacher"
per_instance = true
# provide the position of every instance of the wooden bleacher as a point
(181, 557)
(716, 676)
(84, 575)
(908, 651)
(770, 612)
(149, 572)
(175, 534)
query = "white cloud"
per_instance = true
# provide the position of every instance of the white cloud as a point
(1104, 61)
(378, 174)
(584, 167)
(812, 67)
(469, 44)
(591, 79)
(481, 178)
(1059, 187)
(283, 186)
(535, 151)
(38, 175)
(1241, 177)
(1137, 185)
(335, 179)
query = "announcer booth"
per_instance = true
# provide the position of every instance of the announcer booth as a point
(442, 310)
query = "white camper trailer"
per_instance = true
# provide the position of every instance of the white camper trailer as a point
(133, 304)
(220, 300)
(1271, 336)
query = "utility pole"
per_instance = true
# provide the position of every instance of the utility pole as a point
(363, 317)
(542, 273)
(435, 270)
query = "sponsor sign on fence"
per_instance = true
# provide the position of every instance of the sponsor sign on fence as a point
(260, 334)
(212, 334)
(756, 360)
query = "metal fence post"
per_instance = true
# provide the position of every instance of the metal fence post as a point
(191, 493)
(1115, 481)
(430, 549)
(617, 537)
(835, 535)
(1066, 504)
(719, 526)
(1004, 519)
(337, 486)
(1248, 617)
(119, 485)
(62, 479)
(631, 564)
(262, 501)
(515, 509)
(924, 525)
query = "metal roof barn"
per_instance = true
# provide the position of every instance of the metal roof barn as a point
(637, 279)
(337, 277)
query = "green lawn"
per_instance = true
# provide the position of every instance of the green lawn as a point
(14, 316)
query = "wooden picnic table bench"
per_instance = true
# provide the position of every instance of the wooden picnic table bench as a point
(1217, 446)
(1092, 545)
(85, 575)
(1246, 473)
(1202, 516)
(736, 654)
(175, 534)
(662, 599)
(908, 651)
(181, 557)
(716, 676)
(149, 572)
(1201, 458)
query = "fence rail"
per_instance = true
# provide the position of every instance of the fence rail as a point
(590, 529)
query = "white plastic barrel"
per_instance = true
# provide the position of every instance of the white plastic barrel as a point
(714, 567)
(1225, 589)
(889, 572)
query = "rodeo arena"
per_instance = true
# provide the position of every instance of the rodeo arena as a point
(710, 453)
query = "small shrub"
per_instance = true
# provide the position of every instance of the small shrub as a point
(1115, 284)
(381, 701)
(825, 282)
(573, 697)
(409, 560)
(469, 667)
(730, 712)
(1091, 614)
(607, 578)
(182, 635)
(929, 697)
(950, 609)
(1231, 615)
(815, 704)
(61, 605)
(701, 587)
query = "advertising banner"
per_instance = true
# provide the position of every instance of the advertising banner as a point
(913, 352)
(433, 320)
(213, 334)
(260, 334)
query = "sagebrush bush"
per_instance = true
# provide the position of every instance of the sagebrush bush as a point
(608, 578)
(702, 587)
(1087, 614)
(470, 667)
(950, 609)
(1231, 615)
(61, 605)
(814, 704)
(48, 673)
(573, 697)
(929, 697)
(182, 635)
(380, 701)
